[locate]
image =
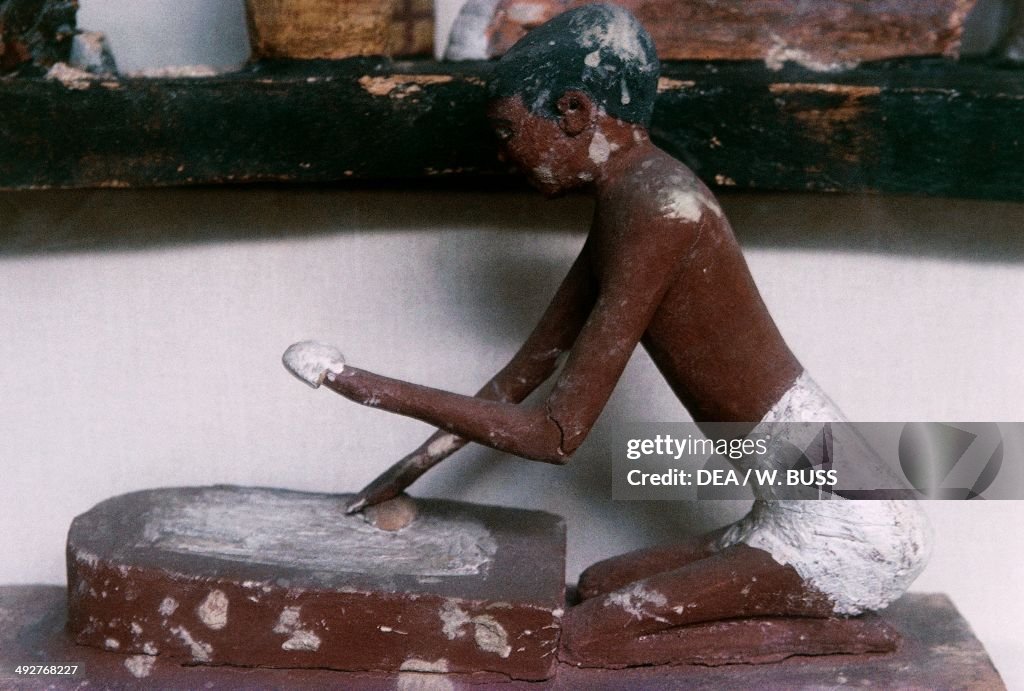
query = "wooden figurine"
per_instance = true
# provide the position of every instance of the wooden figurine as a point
(570, 105)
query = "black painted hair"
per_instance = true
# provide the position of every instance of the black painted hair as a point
(599, 49)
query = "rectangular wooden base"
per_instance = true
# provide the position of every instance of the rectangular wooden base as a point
(939, 652)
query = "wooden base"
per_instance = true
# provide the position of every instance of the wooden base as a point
(939, 652)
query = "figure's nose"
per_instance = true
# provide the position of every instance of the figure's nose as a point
(501, 156)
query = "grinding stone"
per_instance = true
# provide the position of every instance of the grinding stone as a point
(273, 578)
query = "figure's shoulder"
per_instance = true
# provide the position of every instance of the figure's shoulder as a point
(666, 188)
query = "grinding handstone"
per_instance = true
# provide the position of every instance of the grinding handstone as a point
(273, 578)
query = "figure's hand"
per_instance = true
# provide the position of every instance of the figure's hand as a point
(311, 361)
(395, 479)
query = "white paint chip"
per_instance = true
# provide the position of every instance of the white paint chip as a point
(599, 148)
(168, 606)
(84, 557)
(544, 174)
(593, 59)
(200, 651)
(686, 203)
(300, 638)
(636, 599)
(780, 53)
(490, 636)
(140, 666)
(617, 35)
(442, 445)
(418, 681)
(416, 665)
(288, 620)
(213, 611)
(453, 618)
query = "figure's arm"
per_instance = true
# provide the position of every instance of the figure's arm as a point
(536, 360)
(632, 287)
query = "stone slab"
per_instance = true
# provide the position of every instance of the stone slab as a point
(273, 578)
(939, 652)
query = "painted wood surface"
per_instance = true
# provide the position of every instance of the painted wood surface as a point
(920, 126)
(823, 35)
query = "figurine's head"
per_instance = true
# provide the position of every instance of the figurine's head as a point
(553, 92)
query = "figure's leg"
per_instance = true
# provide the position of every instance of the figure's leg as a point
(737, 582)
(618, 571)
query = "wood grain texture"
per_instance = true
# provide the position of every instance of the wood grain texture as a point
(926, 126)
(821, 34)
(312, 29)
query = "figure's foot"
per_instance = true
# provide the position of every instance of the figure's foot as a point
(312, 361)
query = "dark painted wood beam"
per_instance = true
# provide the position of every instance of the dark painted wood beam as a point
(921, 126)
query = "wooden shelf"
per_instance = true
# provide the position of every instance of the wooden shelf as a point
(920, 126)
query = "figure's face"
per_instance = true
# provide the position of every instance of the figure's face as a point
(539, 147)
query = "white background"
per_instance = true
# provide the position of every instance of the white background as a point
(142, 334)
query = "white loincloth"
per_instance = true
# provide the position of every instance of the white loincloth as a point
(862, 554)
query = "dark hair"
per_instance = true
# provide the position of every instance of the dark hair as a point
(599, 49)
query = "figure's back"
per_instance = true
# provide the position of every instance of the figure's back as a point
(712, 338)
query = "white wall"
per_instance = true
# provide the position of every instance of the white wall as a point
(142, 333)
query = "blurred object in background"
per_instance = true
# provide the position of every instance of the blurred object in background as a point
(412, 28)
(1011, 47)
(163, 33)
(319, 29)
(35, 31)
(822, 36)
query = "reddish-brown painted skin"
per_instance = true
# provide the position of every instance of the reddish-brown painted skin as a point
(678, 285)
(681, 287)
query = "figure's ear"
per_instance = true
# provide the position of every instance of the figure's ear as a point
(576, 112)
